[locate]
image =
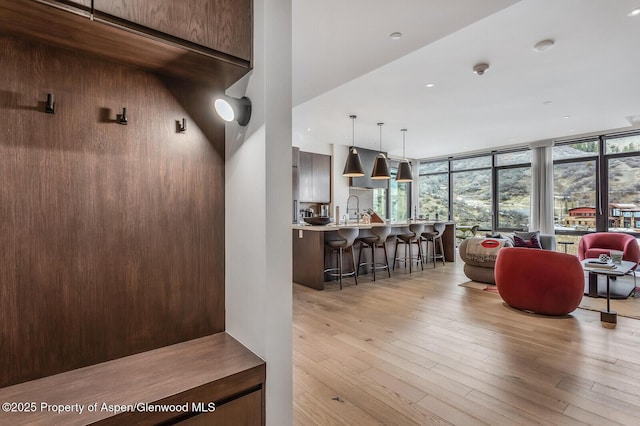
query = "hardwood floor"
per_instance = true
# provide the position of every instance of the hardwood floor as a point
(421, 350)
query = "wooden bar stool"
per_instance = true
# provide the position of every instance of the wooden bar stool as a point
(377, 240)
(345, 240)
(433, 234)
(413, 237)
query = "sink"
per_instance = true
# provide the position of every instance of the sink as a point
(318, 220)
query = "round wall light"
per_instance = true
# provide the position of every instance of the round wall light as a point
(233, 109)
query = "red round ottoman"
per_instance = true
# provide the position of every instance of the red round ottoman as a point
(541, 281)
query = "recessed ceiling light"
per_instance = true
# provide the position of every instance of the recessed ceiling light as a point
(396, 36)
(634, 12)
(572, 130)
(566, 116)
(308, 129)
(543, 45)
(429, 85)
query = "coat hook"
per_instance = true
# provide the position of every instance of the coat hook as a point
(181, 127)
(50, 106)
(122, 118)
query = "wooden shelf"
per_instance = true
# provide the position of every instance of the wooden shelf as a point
(214, 368)
(116, 40)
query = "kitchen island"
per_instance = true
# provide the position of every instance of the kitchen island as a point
(309, 260)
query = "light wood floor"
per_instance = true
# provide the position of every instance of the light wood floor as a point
(419, 349)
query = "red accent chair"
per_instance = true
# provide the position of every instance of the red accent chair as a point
(540, 281)
(593, 245)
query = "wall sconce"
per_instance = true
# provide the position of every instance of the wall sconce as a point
(50, 106)
(230, 109)
(181, 127)
(122, 118)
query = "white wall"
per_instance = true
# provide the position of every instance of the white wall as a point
(258, 198)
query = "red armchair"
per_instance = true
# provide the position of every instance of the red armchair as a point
(593, 245)
(541, 281)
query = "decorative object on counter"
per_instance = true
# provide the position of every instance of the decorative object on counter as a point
(233, 109)
(50, 106)
(380, 167)
(374, 216)
(404, 168)
(318, 220)
(353, 166)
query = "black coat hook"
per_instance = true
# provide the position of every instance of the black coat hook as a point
(122, 118)
(50, 106)
(181, 127)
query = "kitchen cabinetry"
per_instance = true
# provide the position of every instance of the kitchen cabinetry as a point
(315, 178)
(221, 25)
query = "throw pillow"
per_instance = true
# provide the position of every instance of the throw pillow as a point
(532, 242)
(527, 235)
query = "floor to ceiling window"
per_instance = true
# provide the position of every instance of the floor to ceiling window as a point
(622, 155)
(433, 190)
(575, 170)
(513, 190)
(472, 189)
(399, 196)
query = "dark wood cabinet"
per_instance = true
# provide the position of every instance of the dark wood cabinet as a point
(222, 25)
(315, 178)
(243, 411)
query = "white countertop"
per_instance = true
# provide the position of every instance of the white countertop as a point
(333, 226)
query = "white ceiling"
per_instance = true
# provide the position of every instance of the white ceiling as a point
(344, 63)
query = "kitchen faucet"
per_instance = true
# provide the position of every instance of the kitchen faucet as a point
(357, 207)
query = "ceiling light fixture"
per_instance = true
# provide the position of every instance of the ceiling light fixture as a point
(380, 166)
(404, 168)
(395, 36)
(353, 166)
(634, 12)
(429, 85)
(480, 68)
(233, 109)
(544, 45)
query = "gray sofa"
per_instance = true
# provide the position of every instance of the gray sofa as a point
(483, 271)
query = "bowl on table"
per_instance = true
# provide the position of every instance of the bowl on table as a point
(318, 220)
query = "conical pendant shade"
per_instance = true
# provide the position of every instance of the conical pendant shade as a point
(353, 166)
(404, 172)
(380, 168)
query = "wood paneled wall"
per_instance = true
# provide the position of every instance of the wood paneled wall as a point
(111, 236)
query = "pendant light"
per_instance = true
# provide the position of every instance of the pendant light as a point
(353, 167)
(380, 166)
(404, 168)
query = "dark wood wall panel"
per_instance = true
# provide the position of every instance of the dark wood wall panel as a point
(111, 236)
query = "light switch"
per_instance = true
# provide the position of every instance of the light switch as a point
(299, 233)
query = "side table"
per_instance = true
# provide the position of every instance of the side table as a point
(620, 269)
(565, 244)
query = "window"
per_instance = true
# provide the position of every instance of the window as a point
(433, 189)
(399, 197)
(380, 202)
(623, 181)
(472, 189)
(513, 190)
(574, 178)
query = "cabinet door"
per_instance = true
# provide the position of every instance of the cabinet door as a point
(321, 178)
(305, 170)
(222, 25)
(244, 411)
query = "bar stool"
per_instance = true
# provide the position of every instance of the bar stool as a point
(347, 236)
(413, 237)
(377, 240)
(433, 235)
